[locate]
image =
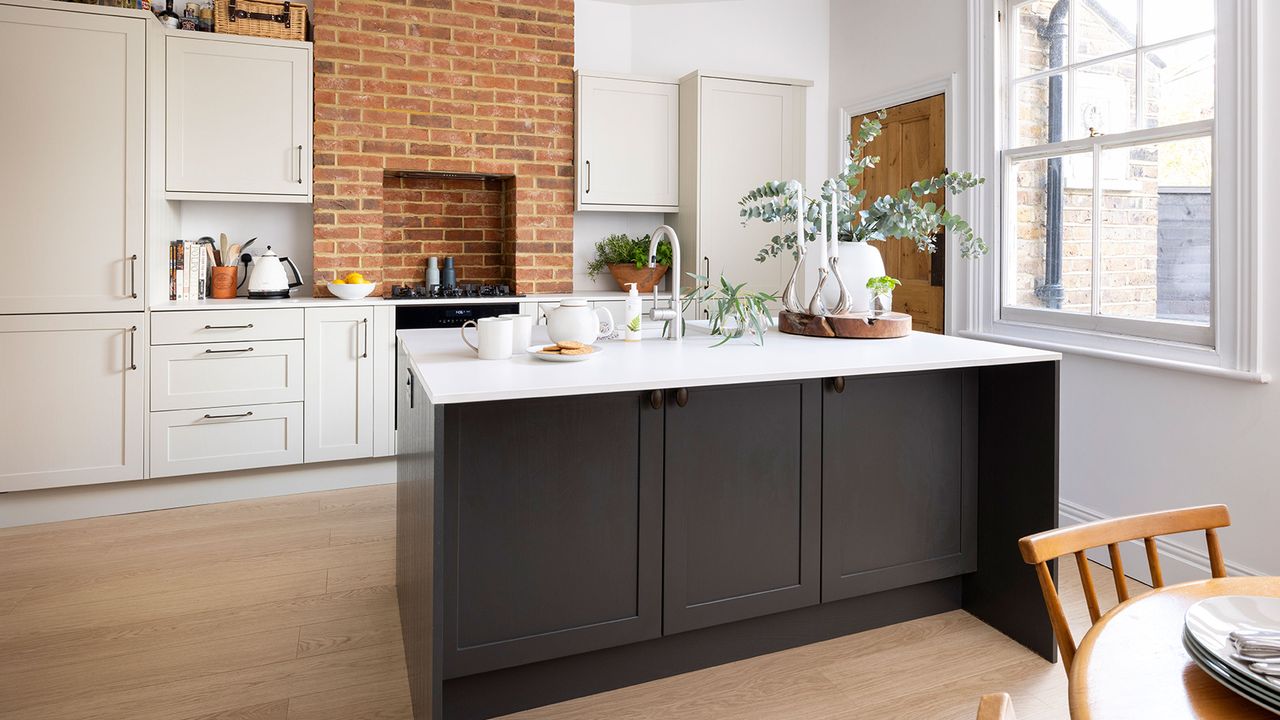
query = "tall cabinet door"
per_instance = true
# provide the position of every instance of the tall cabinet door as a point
(338, 365)
(72, 388)
(751, 132)
(743, 499)
(238, 118)
(72, 105)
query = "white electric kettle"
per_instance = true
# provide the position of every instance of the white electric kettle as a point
(268, 280)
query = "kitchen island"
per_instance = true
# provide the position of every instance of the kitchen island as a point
(569, 528)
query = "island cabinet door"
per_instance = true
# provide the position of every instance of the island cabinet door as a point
(899, 481)
(553, 528)
(742, 501)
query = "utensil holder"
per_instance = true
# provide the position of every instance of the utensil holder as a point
(224, 282)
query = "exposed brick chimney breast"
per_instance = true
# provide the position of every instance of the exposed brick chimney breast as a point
(476, 87)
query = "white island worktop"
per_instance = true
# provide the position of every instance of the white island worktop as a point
(450, 372)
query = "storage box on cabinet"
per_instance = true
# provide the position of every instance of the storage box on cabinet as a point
(185, 442)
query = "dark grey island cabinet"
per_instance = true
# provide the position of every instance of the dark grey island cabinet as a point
(554, 547)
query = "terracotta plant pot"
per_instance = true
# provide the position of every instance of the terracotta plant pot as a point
(645, 278)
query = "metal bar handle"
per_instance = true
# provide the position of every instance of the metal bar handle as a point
(588, 190)
(207, 416)
(133, 276)
(409, 383)
(299, 164)
(133, 351)
(234, 350)
(365, 323)
(228, 327)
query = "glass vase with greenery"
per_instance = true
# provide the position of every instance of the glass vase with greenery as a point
(733, 312)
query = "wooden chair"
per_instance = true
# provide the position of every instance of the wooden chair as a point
(996, 706)
(1040, 548)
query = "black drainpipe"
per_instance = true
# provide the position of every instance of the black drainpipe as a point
(1055, 31)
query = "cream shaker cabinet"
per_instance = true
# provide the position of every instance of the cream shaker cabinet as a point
(73, 396)
(628, 144)
(72, 107)
(237, 119)
(338, 388)
(735, 132)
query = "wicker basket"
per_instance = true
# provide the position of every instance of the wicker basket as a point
(261, 18)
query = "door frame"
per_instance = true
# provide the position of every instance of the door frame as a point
(945, 86)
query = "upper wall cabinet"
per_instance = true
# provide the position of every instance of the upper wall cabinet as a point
(238, 119)
(73, 114)
(628, 144)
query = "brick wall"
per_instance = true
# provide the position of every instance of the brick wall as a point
(460, 217)
(446, 86)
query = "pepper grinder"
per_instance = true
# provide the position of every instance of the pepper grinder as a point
(433, 273)
(448, 277)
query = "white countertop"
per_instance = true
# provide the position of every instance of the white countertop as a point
(450, 372)
(242, 303)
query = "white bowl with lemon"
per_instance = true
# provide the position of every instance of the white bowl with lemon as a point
(353, 286)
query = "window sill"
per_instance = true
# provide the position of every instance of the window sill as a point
(1135, 358)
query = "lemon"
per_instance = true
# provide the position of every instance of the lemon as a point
(355, 278)
(339, 281)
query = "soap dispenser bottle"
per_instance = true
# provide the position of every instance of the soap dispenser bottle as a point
(633, 312)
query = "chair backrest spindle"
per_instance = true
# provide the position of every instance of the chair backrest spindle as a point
(1041, 548)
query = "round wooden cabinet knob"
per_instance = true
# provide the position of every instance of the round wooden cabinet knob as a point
(682, 397)
(655, 399)
(837, 384)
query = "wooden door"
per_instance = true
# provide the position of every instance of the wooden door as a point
(628, 144)
(912, 147)
(899, 481)
(339, 371)
(552, 528)
(749, 132)
(742, 502)
(72, 388)
(238, 118)
(72, 109)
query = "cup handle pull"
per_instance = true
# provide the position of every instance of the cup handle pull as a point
(464, 334)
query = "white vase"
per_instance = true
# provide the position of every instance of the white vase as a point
(859, 262)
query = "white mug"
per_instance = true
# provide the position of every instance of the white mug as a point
(495, 337)
(521, 330)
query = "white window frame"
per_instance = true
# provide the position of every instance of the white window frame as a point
(1229, 347)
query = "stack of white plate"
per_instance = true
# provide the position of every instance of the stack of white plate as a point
(1208, 638)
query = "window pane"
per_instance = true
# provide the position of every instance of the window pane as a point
(1168, 19)
(1053, 227)
(1104, 98)
(1105, 27)
(1180, 83)
(1034, 100)
(1155, 232)
(1034, 37)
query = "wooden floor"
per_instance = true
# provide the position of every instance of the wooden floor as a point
(284, 609)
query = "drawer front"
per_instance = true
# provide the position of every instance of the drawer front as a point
(206, 326)
(185, 442)
(222, 374)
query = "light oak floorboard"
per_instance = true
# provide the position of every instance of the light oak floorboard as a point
(284, 609)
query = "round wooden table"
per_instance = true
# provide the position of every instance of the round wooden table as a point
(1131, 663)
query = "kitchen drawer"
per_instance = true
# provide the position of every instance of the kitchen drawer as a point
(185, 442)
(205, 326)
(222, 374)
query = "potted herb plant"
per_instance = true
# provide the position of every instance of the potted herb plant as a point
(627, 259)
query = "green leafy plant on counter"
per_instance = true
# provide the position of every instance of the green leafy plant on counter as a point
(882, 285)
(733, 312)
(902, 215)
(620, 248)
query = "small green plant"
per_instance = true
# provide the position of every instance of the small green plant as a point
(882, 285)
(733, 313)
(621, 248)
(902, 215)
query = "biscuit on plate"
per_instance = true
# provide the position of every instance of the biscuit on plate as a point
(570, 345)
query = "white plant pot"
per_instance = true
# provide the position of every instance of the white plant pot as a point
(859, 262)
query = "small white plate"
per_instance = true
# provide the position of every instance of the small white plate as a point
(1209, 621)
(536, 351)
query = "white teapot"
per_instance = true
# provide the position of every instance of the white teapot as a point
(574, 320)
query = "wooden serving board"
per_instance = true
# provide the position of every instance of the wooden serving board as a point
(853, 325)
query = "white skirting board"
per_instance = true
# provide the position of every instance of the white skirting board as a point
(1180, 561)
(71, 503)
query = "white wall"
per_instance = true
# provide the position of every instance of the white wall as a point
(286, 227)
(670, 40)
(1133, 438)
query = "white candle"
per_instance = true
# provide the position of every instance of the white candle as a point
(834, 237)
(799, 215)
(822, 231)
